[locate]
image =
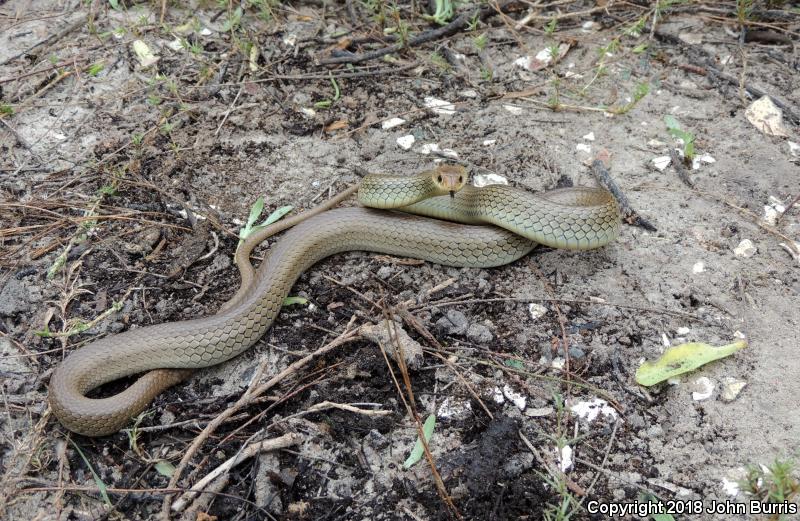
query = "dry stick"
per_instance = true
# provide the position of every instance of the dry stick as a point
(348, 335)
(411, 408)
(287, 440)
(414, 322)
(447, 30)
(628, 213)
(677, 162)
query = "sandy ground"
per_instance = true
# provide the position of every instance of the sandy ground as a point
(139, 178)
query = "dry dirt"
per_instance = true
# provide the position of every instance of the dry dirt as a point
(138, 179)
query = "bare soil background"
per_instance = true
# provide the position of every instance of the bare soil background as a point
(128, 184)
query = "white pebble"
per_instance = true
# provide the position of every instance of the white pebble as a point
(391, 123)
(406, 142)
(746, 249)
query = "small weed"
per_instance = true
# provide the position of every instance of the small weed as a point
(481, 42)
(487, 74)
(439, 61)
(324, 104)
(642, 90)
(473, 23)
(674, 128)
(153, 99)
(443, 13)
(776, 483)
(255, 211)
(95, 68)
(551, 27)
(6, 109)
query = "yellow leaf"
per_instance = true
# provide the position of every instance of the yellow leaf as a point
(682, 359)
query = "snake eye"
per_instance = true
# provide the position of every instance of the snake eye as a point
(439, 179)
(460, 179)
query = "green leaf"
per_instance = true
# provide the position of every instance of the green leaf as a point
(114, 4)
(99, 482)
(6, 109)
(233, 20)
(95, 68)
(288, 301)
(419, 450)
(165, 468)
(682, 359)
(255, 212)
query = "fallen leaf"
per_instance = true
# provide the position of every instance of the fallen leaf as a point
(682, 359)
(336, 125)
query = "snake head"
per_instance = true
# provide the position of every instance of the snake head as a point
(449, 178)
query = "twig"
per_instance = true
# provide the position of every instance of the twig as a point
(453, 27)
(287, 440)
(628, 213)
(349, 335)
(677, 162)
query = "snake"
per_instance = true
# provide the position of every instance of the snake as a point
(432, 215)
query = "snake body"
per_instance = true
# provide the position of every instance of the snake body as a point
(168, 353)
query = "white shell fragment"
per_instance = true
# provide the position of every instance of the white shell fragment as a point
(565, 458)
(518, 399)
(591, 409)
(440, 106)
(392, 122)
(661, 162)
(703, 388)
(176, 44)
(699, 160)
(732, 388)
(766, 117)
(746, 249)
(144, 54)
(454, 409)
(482, 180)
(537, 311)
(699, 267)
(406, 142)
(589, 136)
(489, 142)
(773, 211)
(794, 148)
(583, 147)
(513, 109)
(433, 148)
(497, 395)
(683, 331)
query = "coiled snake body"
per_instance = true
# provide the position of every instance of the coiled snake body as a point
(575, 218)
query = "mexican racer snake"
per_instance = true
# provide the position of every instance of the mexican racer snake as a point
(575, 218)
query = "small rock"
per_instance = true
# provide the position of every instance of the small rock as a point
(453, 409)
(661, 162)
(518, 399)
(699, 267)
(536, 310)
(479, 334)
(453, 323)
(589, 136)
(385, 272)
(392, 122)
(406, 142)
(440, 106)
(731, 389)
(746, 249)
(702, 389)
(683, 331)
(583, 147)
(539, 412)
(482, 180)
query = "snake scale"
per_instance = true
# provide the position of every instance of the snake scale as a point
(575, 218)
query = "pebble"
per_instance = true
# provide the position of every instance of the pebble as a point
(746, 249)
(479, 334)
(453, 323)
